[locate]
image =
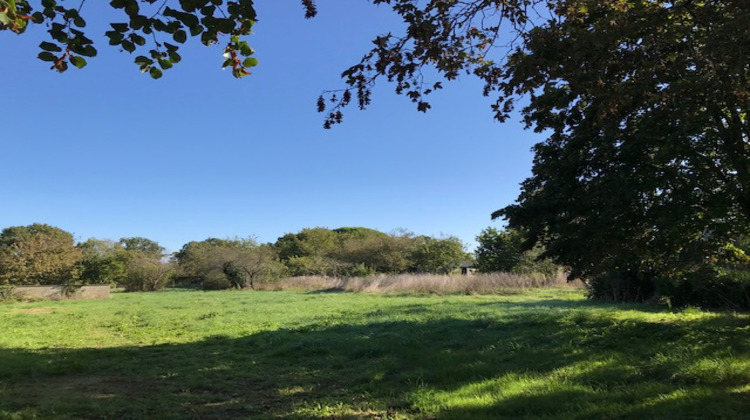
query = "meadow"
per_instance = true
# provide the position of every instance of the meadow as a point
(534, 353)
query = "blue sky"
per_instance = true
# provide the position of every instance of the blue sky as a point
(107, 152)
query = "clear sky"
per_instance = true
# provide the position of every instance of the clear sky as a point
(107, 152)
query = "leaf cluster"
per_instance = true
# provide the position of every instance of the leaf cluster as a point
(158, 27)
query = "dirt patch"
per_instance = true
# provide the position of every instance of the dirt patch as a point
(33, 311)
(90, 386)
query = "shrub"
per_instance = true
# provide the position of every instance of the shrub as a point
(146, 273)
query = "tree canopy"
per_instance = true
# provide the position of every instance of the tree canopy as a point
(645, 172)
(37, 254)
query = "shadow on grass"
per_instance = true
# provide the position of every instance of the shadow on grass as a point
(579, 303)
(540, 366)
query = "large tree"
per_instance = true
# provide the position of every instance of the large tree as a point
(646, 170)
(437, 255)
(104, 261)
(38, 254)
(224, 263)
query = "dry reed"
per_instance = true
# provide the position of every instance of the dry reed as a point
(425, 283)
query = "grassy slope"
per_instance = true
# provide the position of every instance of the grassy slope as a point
(542, 354)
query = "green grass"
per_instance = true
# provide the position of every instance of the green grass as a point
(543, 353)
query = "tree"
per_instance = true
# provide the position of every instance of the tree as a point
(645, 176)
(145, 268)
(142, 245)
(499, 250)
(162, 25)
(310, 251)
(37, 254)
(229, 263)
(437, 255)
(144, 273)
(103, 262)
(366, 251)
(506, 251)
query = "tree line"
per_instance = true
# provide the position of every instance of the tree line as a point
(43, 254)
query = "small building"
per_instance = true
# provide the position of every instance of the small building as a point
(467, 268)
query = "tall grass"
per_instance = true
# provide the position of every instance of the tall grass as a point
(425, 283)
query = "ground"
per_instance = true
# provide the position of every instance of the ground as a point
(539, 353)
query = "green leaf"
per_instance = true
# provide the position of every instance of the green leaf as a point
(180, 36)
(159, 25)
(47, 56)
(196, 30)
(88, 51)
(77, 61)
(137, 39)
(245, 49)
(165, 64)
(79, 22)
(115, 38)
(250, 62)
(48, 46)
(119, 27)
(155, 73)
(128, 46)
(174, 57)
(142, 60)
(138, 22)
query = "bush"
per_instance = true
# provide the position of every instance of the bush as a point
(215, 281)
(146, 273)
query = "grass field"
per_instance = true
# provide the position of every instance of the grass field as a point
(541, 353)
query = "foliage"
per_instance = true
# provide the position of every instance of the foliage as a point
(357, 251)
(163, 26)
(505, 251)
(645, 173)
(499, 250)
(145, 273)
(229, 263)
(103, 262)
(37, 254)
(437, 255)
(143, 246)
(370, 251)
(543, 354)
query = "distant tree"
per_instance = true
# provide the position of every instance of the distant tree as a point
(499, 250)
(437, 255)
(144, 273)
(367, 250)
(38, 254)
(143, 245)
(103, 262)
(507, 250)
(145, 265)
(310, 251)
(221, 264)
